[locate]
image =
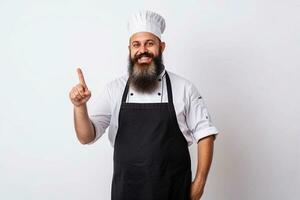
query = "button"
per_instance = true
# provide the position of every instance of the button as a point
(159, 79)
(159, 93)
(131, 94)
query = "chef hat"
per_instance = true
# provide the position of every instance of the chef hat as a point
(146, 21)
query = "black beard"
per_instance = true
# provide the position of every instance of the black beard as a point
(143, 77)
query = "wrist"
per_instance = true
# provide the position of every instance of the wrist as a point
(82, 106)
(200, 181)
(80, 109)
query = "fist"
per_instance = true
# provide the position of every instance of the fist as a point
(80, 93)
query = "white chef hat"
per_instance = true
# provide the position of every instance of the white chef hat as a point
(146, 21)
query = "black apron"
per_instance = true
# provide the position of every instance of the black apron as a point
(151, 156)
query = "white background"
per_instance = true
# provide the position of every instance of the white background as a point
(242, 55)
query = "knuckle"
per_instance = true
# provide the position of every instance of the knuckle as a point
(78, 86)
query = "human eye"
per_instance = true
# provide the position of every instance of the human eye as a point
(150, 43)
(135, 45)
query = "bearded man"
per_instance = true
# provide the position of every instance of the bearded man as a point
(153, 116)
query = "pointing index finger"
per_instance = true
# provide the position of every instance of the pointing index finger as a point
(81, 77)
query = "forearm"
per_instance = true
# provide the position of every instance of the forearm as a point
(205, 155)
(83, 125)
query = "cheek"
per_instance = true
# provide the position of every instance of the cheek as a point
(155, 51)
(132, 53)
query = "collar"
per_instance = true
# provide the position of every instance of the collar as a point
(162, 73)
(159, 76)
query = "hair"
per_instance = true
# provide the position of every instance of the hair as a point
(143, 77)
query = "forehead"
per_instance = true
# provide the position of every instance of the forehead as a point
(143, 36)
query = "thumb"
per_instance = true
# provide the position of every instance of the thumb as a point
(87, 92)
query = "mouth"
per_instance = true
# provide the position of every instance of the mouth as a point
(145, 59)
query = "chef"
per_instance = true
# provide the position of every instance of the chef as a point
(153, 116)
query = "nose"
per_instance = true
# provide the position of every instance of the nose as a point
(143, 49)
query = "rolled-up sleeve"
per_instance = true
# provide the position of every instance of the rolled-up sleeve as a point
(99, 111)
(197, 116)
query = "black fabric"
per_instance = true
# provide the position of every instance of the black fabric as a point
(151, 156)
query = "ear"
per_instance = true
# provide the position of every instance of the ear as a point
(163, 46)
(129, 51)
(129, 42)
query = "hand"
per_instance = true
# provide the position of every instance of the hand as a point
(80, 94)
(196, 191)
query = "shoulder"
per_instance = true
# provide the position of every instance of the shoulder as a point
(182, 83)
(118, 82)
(117, 85)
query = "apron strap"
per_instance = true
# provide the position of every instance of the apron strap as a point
(169, 88)
(170, 101)
(125, 92)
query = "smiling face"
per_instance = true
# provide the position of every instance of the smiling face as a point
(145, 42)
(145, 61)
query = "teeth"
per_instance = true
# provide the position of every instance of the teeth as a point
(144, 58)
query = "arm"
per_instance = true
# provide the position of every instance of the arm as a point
(89, 127)
(200, 124)
(83, 126)
(79, 95)
(205, 154)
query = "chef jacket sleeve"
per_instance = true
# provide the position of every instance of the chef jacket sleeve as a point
(197, 117)
(99, 112)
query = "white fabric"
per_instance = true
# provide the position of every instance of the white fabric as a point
(146, 21)
(192, 115)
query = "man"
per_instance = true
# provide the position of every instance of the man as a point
(153, 116)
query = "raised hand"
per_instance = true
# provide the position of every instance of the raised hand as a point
(80, 93)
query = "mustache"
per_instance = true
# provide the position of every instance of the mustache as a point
(147, 54)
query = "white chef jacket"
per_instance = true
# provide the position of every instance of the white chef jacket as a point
(192, 115)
